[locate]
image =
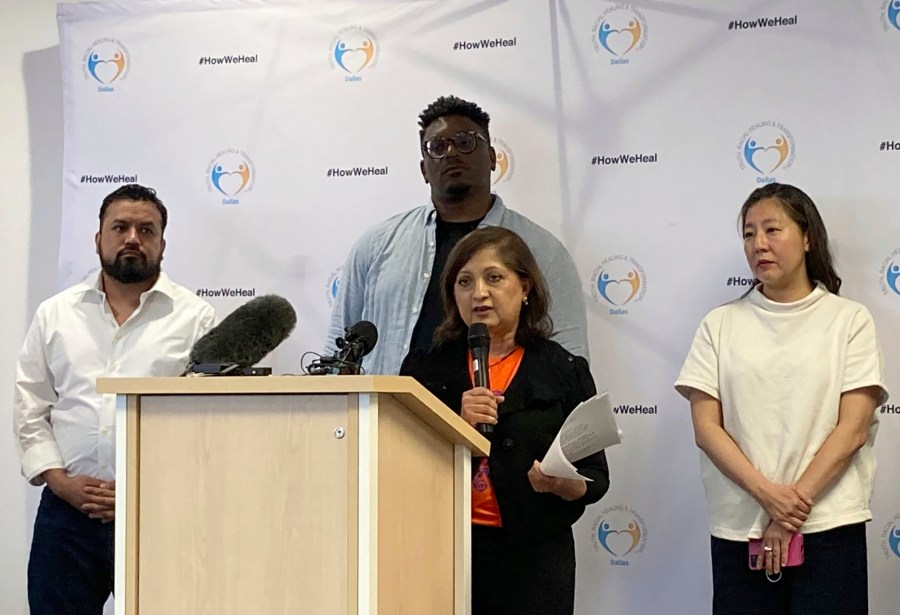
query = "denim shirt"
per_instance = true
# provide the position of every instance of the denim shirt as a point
(386, 274)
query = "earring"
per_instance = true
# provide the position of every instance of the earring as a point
(525, 299)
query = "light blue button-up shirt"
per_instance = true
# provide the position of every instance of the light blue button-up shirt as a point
(386, 275)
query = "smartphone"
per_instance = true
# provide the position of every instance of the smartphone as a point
(795, 552)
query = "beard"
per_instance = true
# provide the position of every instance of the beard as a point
(130, 269)
(458, 190)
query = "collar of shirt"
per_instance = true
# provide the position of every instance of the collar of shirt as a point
(94, 284)
(492, 218)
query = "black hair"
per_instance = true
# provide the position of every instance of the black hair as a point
(452, 105)
(134, 192)
(801, 209)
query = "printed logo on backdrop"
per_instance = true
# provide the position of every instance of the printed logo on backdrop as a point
(890, 539)
(620, 31)
(889, 275)
(620, 281)
(766, 147)
(334, 284)
(620, 533)
(354, 50)
(506, 162)
(230, 174)
(890, 15)
(105, 62)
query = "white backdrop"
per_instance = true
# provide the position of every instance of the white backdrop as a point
(277, 132)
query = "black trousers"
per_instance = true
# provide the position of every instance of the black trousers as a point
(510, 577)
(70, 571)
(833, 580)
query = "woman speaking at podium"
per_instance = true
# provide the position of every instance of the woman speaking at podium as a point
(523, 552)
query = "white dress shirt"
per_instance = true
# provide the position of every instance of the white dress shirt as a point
(60, 420)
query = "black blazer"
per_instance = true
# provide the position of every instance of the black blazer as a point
(549, 384)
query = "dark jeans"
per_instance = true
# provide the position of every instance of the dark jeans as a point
(70, 571)
(510, 577)
(833, 580)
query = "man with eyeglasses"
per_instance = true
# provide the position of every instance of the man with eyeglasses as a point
(392, 274)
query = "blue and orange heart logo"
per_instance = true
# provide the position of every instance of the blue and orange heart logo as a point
(230, 179)
(622, 40)
(230, 173)
(619, 31)
(619, 280)
(354, 59)
(106, 71)
(354, 49)
(619, 290)
(619, 542)
(766, 158)
(766, 147)
(106, 61)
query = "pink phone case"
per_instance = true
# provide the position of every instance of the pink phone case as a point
(795, 552)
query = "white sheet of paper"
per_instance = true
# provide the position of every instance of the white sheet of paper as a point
(590, 428)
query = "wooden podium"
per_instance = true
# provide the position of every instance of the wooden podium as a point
(318, 495)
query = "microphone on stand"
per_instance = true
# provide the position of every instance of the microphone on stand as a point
(480, 345)
(358, 341)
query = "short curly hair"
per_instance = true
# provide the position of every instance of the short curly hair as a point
(453, 105)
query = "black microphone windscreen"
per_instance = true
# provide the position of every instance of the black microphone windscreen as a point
(365, 334)
(248, 334)
(479, 336)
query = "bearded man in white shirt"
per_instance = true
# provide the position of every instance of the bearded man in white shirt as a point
(129, 320)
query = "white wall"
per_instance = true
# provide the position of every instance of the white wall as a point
(30, 188)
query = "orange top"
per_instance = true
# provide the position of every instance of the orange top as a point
(485, 510)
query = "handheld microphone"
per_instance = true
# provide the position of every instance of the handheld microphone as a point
(358, 341)
(243, 338)
(480, 345)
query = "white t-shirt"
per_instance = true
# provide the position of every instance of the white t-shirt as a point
(778, 370)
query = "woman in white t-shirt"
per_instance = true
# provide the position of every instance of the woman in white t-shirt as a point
(783, 385)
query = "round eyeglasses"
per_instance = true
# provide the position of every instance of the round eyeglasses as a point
(464, 142)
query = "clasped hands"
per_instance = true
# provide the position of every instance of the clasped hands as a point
(787, 505)
(92, 496)
(479, 405)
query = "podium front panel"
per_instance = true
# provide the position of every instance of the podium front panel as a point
(269, 486)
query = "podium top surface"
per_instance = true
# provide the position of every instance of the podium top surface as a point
(413, 395)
